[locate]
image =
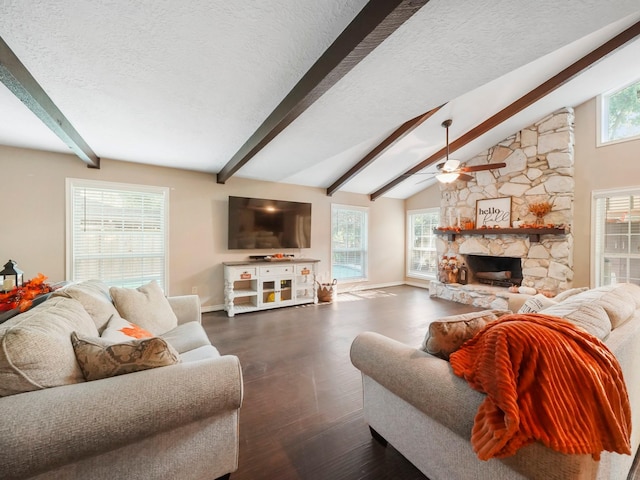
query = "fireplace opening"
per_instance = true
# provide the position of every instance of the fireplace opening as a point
(498, 271)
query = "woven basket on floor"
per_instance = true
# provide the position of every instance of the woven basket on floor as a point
(327, 291)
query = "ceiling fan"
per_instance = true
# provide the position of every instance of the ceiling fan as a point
(451, 170)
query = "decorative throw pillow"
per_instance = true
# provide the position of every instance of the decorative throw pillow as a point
(99, 358)
(120, 330)
(449, 333)
(536, 303)
(588, 315)
(35, 352)
(94, 297)
(145, 306)
(569, 293)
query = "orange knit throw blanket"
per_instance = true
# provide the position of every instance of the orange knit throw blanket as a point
(546, 380)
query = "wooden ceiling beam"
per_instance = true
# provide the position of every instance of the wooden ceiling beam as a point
(523, 102)
(375, 22)
(21, 83)
(398, 134)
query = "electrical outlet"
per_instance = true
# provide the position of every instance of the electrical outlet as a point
(194, 290)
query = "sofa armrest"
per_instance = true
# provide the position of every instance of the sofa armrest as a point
(85, 419)
(186, 308)
(426, 382)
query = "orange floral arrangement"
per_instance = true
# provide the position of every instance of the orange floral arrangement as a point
(540, 209)
(22, 297)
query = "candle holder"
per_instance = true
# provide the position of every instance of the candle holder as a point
(12, 276)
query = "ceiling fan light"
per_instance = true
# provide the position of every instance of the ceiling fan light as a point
(447, 177)
(451, 165)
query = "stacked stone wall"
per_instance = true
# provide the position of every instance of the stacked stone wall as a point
(539, 167)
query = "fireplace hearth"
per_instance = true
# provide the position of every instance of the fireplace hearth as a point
(496, 271)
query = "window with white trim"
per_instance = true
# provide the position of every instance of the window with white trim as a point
(422, 259)
(117, 233)
(349, 242)
(616, 225)
(619, 114)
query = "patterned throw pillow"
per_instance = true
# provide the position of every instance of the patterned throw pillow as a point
(447, 335)
(99, 358)
(120, 330)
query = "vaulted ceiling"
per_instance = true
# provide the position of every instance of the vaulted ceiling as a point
(343, 96)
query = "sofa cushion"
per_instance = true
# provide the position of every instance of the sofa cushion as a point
(449, 333)
(200, 353)
(145, 306)
(536, 303)
(35, 351)
(94, 297)
(589, 316)
(120, 330)
(562, 296)
(100, 358)
(187, 336)
(633, 290)
(617, 301)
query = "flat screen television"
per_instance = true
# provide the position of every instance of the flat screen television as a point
(260, 223)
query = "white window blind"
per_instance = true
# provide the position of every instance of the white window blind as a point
(117, 233)
(349, 242)
(422, 259)
(616, 223)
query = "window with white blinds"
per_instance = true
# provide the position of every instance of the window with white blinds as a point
(422, 259)
(349, 242)
(616, 224)
(117, 233)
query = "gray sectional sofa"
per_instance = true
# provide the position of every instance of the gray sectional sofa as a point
(178, 421)
(414, 401)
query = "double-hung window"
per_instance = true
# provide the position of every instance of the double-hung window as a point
(422, 259)
(616, 224)
(619, 114)
(349, 243)
(117, 233)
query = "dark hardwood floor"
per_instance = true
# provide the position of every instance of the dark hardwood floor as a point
(302, 412)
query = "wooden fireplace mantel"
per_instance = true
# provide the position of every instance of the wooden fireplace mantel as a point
(532, 233)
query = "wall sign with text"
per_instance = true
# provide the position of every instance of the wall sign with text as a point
(493, 212)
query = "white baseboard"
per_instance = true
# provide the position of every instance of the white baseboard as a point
(359, 288)
(211, 308)
(349, 289)
(418, 284)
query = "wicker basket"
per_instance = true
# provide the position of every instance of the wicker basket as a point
(327, 291)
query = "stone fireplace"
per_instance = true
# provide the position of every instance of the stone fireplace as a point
(539, 168)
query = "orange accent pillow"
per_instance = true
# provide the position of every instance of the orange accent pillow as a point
(120, 330)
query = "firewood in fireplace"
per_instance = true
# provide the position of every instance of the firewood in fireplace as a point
(506, 275)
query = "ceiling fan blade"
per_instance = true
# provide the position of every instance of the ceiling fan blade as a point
(464, 177)
(479, 168)
(424, 180)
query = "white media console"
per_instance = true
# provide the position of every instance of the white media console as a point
(260, 285)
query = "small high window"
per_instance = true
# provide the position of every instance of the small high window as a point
(620, 114)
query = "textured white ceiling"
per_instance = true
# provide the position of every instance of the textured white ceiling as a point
(185, 84)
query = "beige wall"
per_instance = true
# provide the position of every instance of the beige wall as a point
(32, 231)
(596, 168)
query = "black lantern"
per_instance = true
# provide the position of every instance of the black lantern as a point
(11, 275)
